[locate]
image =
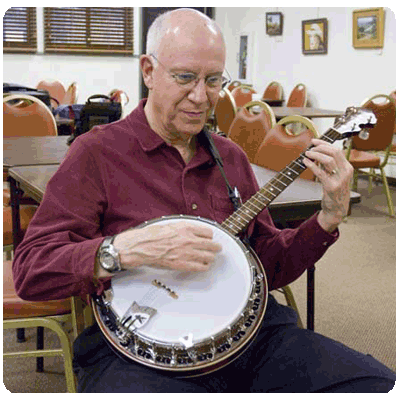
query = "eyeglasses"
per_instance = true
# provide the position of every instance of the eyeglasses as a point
(190, 80)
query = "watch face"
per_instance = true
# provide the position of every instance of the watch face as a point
(107, 260)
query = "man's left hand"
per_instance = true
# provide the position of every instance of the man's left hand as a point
(330, 166)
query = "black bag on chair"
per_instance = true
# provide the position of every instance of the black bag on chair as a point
(92, 114)
(10, 89)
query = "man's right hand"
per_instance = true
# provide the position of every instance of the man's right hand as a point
(177, 246)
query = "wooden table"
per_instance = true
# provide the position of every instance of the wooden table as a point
(298, 202)
(273, 102)
(310, 112)
(27, 151)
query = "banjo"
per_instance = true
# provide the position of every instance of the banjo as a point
(193, 323)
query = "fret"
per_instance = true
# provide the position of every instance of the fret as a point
(277, 184)
(288, 177)
(281, 182)
(262, 195)
(299, 164)
(273, 187)
(270, 193)
(327, 139)
(245, 211)
(258, 209)
(231, 226)
(291, 170)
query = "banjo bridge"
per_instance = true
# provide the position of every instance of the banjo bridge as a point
(160, 285)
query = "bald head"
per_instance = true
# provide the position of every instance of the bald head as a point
(185, 56)
(182, 24)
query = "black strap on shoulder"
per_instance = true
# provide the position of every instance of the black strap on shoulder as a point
(233, 193)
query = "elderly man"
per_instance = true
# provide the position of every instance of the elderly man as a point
(154, 163)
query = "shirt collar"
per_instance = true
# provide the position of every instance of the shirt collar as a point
(149, 140)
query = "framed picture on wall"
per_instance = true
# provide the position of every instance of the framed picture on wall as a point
(368, 30)
(274, 23)
(315, 36)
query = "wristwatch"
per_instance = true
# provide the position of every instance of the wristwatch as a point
(108, 256)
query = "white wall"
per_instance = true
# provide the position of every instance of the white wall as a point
(344, 77)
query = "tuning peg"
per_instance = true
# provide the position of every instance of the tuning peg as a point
(351, 110)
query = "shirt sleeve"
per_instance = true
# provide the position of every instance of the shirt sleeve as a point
(56, 258)
(287, 253)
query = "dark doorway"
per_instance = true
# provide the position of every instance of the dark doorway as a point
(149, 14)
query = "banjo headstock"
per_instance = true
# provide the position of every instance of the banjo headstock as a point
(354, 121)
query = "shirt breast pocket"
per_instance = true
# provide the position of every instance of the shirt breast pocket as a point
(222, 207)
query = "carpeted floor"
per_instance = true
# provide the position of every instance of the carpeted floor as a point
(355, 297)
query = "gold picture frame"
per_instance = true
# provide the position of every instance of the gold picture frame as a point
(368, 28)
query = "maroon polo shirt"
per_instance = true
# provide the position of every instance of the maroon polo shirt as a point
(119, 175)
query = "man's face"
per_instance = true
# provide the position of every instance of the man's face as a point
(182, 110)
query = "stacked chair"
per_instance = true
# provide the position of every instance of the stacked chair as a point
(248, 129)
(243, 94)
(58, 94)
(281, 146)
(225, 111)
(298, 96)
(364, 153)
(273, 91)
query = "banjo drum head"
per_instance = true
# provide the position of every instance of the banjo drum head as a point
(189, 305)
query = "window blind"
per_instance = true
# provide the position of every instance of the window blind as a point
(19, 30)
(88, 30)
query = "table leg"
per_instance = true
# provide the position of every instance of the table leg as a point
(15, 193)
(310, 297)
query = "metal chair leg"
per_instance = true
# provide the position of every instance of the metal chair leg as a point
(387, 193)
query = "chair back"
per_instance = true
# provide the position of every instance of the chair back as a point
(249, 129)
(243, 95)
(273, 91)
(55, 89)
(280, 146)
(298, 96)
(71, 95)
(120, 96)
(225, 110)
(233, 85)
(393, 96)
(27, 119)
(380, 136)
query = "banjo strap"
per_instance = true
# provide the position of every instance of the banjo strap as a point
(233, 193)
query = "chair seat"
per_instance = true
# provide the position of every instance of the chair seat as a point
(362, 159)
(26, 213)
(15, 307)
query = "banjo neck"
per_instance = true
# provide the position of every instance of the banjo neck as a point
(239, 220)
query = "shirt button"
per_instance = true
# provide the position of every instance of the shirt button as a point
(194, 207)
(325, 243)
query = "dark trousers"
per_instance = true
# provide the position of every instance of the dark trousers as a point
(282, 358)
